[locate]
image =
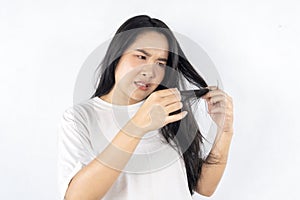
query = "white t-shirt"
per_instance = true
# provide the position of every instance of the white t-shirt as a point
(155, 170)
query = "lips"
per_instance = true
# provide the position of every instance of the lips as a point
(142, 85)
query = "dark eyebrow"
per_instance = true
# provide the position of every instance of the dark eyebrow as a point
(148, 54)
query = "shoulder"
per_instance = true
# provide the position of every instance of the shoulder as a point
(80, 112)
(76, 120)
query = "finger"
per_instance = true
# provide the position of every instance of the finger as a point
(213, 93)
(216, 105)
(167, 92)
(212, 87)
(219, 101)
(176, 117)
(170, 99)
(216, 99)
(173, 107)
(217, 110)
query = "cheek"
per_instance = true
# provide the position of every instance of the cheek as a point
(124, 70)
(120, 73)
(160, 74)
(129, 67)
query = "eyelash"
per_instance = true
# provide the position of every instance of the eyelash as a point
(144, 57)
(141, 57)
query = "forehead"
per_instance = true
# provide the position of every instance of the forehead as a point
(150, 40)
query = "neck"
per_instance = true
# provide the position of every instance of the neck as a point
(118, 98)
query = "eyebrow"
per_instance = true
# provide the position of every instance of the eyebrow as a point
(148, 54)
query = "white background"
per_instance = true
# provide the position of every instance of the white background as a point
(254, 44)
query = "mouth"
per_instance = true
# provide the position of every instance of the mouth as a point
(142, 85)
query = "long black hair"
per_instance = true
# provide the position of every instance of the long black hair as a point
(186, 135)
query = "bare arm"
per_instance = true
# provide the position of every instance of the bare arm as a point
(94, 180)
(220, 108)
(214, 166)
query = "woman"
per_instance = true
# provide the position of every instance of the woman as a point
(143, 70)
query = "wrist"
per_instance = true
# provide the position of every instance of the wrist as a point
(220, 148)
(131, 129)
(228, 131)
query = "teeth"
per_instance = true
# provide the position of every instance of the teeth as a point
(141, 84)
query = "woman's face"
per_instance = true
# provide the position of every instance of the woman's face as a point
(141, 68)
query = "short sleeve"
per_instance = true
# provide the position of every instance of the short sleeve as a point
(74, 147)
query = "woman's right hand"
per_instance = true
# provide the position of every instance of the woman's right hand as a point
(154, 113)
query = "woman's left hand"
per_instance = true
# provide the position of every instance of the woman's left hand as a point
(220, 108)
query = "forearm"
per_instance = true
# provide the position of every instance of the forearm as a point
(94, 180)
(214, 166)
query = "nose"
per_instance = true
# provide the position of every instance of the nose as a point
(148, 74)
(148, 71)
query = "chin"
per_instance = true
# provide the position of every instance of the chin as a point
(139, 95)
